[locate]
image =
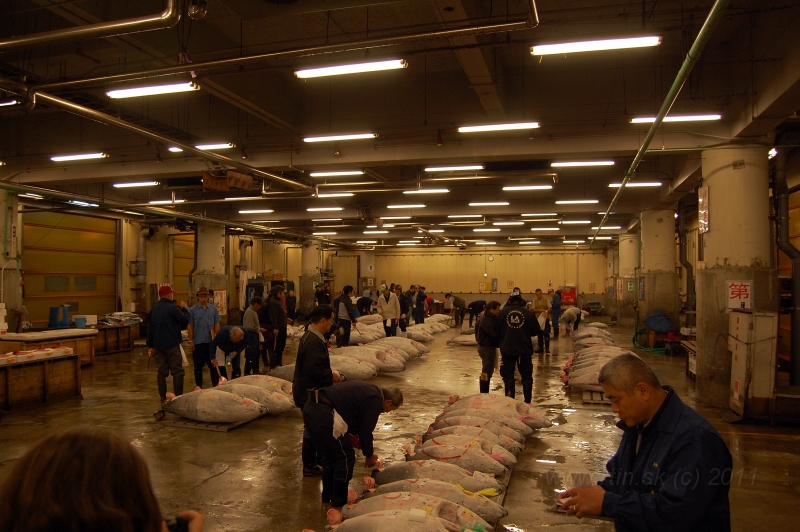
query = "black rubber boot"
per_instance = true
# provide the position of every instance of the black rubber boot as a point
(484, 386)
(547, 344)
(510, 391)
(527, 392)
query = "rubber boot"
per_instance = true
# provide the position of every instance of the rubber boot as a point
(547, 344)
(541, 342)
(177, 384)
(509, 389)
(483, 384)
(527, 392)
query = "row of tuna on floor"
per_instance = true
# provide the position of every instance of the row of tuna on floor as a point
(451, 479)
(246, 398)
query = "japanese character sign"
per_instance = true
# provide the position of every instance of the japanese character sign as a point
(740, 294)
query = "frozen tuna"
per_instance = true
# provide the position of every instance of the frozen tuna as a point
(473, 421)
(498, 416)
(395, 521)
(434, 506)
(464, 339)
(214, 406)
(528, 414)
(268, 382)
(474, 482)
(487, 509)
(275, 402)
(466, 456)
(507, 443)
(383, 362)
(498, 452)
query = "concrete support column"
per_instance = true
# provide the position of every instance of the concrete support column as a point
(611, 284)
(737, 246)
(367, 272)
(211, 273)
(310, 272)
(658, 266)
(628, 262)
(10, 261)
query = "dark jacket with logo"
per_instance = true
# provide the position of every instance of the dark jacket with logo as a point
(678, 480)
(516, 325)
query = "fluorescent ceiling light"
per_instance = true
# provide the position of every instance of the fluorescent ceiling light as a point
(8, 103)
(608, 228)
(376, 232)
(772, 153)
(639, 184)
(408, 241)
(326, 220)
(83, 203)
(243, 198)
(395, 217)
(604, 212)
(257, 211)
(499, 127)
(264, 221)
(576, 202)
(575, 222)
(322, 209)
(529, 242)
(153, 90)
(140, 184)
(508, 223)
(31, 195)
(571, 164)
(366, 241)
(217, 146)
(415, 244)
(175, 149)
(489, 204)
(485, 243)
(336, 174)
(454, 168)
(356, 68)
(413, 206)
(388, 226)
(436, 230)
(465, 216)
(336, 195)
(574, 241)
(166, 202)
(541, 214)
(78, 157)
(545, 228)
(595, 46)
(324, 233)
(419, 236)
(463, 178)
(528, 187)
(333, 138)
(427, 191)
(486, 230)
(601, 238)
(676, 118)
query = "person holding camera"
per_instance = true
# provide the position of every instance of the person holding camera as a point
(88, 479)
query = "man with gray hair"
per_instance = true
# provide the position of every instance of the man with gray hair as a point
(672, 470)
(231, 343)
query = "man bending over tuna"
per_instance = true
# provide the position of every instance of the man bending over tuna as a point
(672, 470)
(338, 418)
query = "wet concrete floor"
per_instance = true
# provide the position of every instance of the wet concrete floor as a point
(250, 479)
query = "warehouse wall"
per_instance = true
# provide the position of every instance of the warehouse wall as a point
(784, 263)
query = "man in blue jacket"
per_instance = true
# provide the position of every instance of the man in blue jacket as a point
(672, 470)
(231, 341)
(164, 324)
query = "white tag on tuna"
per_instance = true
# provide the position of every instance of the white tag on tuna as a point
(416, 514)
(339, 425)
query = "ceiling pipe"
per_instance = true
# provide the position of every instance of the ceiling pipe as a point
(232, 62)
(533, 14)
(155, 211)
(692, 56)
(166, 19)
(86, 112)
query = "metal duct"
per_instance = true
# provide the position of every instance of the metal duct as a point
(781, 204)
(682, 236)
(141, 255)
(166, 19)
(243, 253)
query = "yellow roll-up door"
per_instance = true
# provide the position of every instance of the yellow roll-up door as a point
(182, 264)
(68, 258)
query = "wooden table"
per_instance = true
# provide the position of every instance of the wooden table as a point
(39, 381)
(80, 340)
(115, 338)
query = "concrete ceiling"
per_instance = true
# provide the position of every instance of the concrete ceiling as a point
(749, 72)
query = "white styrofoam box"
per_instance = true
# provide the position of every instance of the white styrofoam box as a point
(2, 305)
(91, 319)
(3, 311)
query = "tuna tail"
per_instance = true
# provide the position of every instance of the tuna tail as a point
(352, 497)
(408, 450)
(496, 456)
(170, 397)
(452, 400)
(418, 439)
(334, 516)
(369, 483)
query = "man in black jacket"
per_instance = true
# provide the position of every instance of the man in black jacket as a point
(358, 404)
(486, 335)
(278, 321)
(313, 370)
(164, 324)
(475, 308)
(419, 311)
(345, 317)
(231, 341)
(405, 307)
(516, 326)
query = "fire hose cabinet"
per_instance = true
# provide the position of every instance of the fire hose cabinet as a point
(752, 341)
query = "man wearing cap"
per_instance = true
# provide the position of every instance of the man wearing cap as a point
(459, 308)
(516, 325)
(252, 330)
(555, 311)
(278, 321)
(204, 323)
(389, 309)
(405, 307)
(164, 324)
(420, 298)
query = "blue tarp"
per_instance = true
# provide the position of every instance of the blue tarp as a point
(658, 322)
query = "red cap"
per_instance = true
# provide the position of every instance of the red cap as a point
(164, 290)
